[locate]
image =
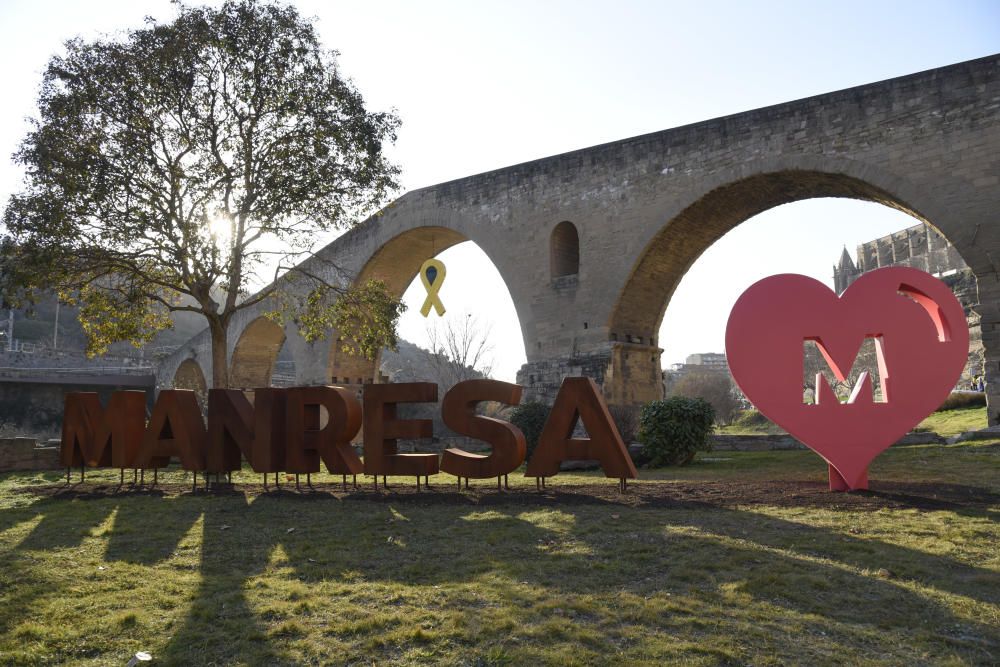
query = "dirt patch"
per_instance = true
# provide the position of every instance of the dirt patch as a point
(883, 495)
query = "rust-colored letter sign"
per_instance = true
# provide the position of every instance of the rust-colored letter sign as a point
(308, 443)
(579, 398)
(230, 431)
(382, 429)
(88, 430)
(176, 429)
(458, 409)
(921, 341)
(269, 429)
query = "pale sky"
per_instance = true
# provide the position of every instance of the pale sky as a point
(480, 86)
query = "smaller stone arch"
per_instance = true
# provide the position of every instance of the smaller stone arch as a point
(564, 250)
(190, 376)
(256, 351)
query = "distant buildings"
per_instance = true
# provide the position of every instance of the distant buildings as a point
(921, 247)
(706, 361)
(702, 362)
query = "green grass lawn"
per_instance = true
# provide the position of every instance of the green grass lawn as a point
(739, 558)
(953, 422)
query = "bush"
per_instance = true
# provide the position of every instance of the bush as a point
(530, 417)
(963, 399)
(626, 418)
(671, 431)
(714, 387)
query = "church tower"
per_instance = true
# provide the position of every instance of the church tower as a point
(845, 272)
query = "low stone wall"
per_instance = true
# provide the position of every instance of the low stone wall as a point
(763, 443)
(28, 454)
(754, 443)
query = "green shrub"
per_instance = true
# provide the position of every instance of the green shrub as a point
(671, 431)
(963, 399)
(530, 417)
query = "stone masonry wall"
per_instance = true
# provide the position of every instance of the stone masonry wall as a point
(924, 248)
(27, 454)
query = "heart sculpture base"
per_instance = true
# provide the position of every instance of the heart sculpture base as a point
(921, 341)
(838, 483)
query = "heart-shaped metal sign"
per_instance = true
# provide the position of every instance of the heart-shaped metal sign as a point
(921, 342)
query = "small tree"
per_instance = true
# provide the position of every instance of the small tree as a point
(167, 167)
(714, 387)
(673, 430)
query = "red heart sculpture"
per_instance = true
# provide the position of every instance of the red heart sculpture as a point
(922, 344)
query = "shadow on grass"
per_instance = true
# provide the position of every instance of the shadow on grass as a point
(445, 537)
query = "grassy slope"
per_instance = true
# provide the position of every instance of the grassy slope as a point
(946, 423)
(224, 579)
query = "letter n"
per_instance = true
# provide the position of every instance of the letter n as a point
(230, 430)
(579, 399)
(236, 427)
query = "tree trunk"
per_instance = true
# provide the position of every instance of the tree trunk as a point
(220, 363)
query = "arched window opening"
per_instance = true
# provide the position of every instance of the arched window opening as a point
(190, 376)
(564, 250)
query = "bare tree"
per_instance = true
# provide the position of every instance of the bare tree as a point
(461, 349)
(714, 387)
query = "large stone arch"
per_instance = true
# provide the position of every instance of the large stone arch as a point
(189, 375)
(727, 200)
(252, 362)
(198, 350)
(395, 263)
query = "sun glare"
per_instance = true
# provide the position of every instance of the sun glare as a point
(220, 228)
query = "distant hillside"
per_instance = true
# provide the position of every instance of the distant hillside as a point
(411, 363)
(37, 326)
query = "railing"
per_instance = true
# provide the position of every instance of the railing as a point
(18, 346)
(282, 379)
(21, 371)
(23, 347)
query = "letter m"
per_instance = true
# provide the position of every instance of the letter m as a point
(867, 356)
(102, 437)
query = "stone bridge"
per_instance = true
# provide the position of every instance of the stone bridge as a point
(593, 243)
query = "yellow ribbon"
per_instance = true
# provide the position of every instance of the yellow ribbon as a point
(432, 285)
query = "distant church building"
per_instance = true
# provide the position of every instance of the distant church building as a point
(921, 247)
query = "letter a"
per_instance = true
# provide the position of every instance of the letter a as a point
(176, 429)
(579, 398)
